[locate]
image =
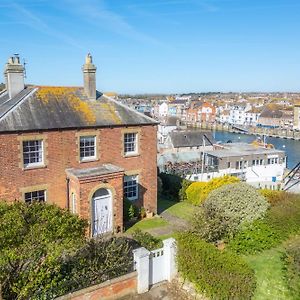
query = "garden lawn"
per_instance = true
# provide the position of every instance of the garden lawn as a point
(147, 224)
(268, 269)
(183, 210)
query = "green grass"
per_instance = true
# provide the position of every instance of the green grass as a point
(181, 210)
(269, 274)
(147, 224)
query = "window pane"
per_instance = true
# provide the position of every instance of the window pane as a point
(32, 152)
(131, 187)
(87, 147)
(130, 142)
(39, 196)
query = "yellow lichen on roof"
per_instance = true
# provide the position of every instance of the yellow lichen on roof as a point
(111, 112)
(67, 94)
(45, 93)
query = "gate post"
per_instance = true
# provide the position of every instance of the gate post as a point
(170, 258)
(141, 259)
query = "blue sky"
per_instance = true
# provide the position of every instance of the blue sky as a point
(171, 46)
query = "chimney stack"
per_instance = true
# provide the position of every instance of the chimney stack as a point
(89, 77)
(14, 76)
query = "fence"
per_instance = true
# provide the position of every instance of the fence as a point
(151, 267)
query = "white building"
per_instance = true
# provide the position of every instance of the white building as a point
(259, 166)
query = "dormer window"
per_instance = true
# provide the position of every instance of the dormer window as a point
(33, 153)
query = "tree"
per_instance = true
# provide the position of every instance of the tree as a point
(33, 238)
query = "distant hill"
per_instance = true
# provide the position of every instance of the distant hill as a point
(2, 86)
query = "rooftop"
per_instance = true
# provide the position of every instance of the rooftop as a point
(40, 108)
(242, 149)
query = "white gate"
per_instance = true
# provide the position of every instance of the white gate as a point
(156, 266)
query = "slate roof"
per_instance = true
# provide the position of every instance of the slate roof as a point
(268, 113)
(191, 138)
(40, 108)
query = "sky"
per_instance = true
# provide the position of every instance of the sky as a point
(157, 46)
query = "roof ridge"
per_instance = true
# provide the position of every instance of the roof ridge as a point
(20, 101)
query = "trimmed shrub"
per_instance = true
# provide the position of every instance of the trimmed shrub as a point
(291, 260)
(254, 238)
(182, 192)
(146, 240)
(217, 274)
(198, 192)
(227, 209)
(171, 184)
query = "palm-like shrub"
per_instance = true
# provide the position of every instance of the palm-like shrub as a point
(227, 209)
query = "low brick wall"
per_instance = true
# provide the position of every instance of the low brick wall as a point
(110, 289)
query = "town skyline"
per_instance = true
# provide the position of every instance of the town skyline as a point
(158, 46)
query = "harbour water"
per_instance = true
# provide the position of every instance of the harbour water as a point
(291, 147)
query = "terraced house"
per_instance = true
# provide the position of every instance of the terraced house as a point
(75, 147)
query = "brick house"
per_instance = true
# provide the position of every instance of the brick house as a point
(75, 147)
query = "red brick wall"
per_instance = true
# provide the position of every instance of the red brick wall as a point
(62, 153)
(111, 289)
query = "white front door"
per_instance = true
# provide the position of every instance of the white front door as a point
(102, 214)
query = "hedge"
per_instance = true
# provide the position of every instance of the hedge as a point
(216, 274)
(171, 184)
(281, 222)
(291, 261)
(256, 237)
(284, 216)
(197, 192)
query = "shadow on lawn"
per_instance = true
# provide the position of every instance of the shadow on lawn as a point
(164, 202)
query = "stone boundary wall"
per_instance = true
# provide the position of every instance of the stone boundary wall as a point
(110, 289)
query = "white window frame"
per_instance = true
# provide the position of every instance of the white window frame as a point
(33, 164)
(135, 143)
(131, 178)
(36, 199)
(88, 158)
(73, 203)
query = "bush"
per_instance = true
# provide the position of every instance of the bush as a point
(182, 192)
(146, 240)
(227, 209)
(195, 191)
(198, 192)
(217, 274)
(254, 238)
(97, 261)
(291, 260)
(284, 216)
(33, 238)
(274, 197)
(171, 184)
